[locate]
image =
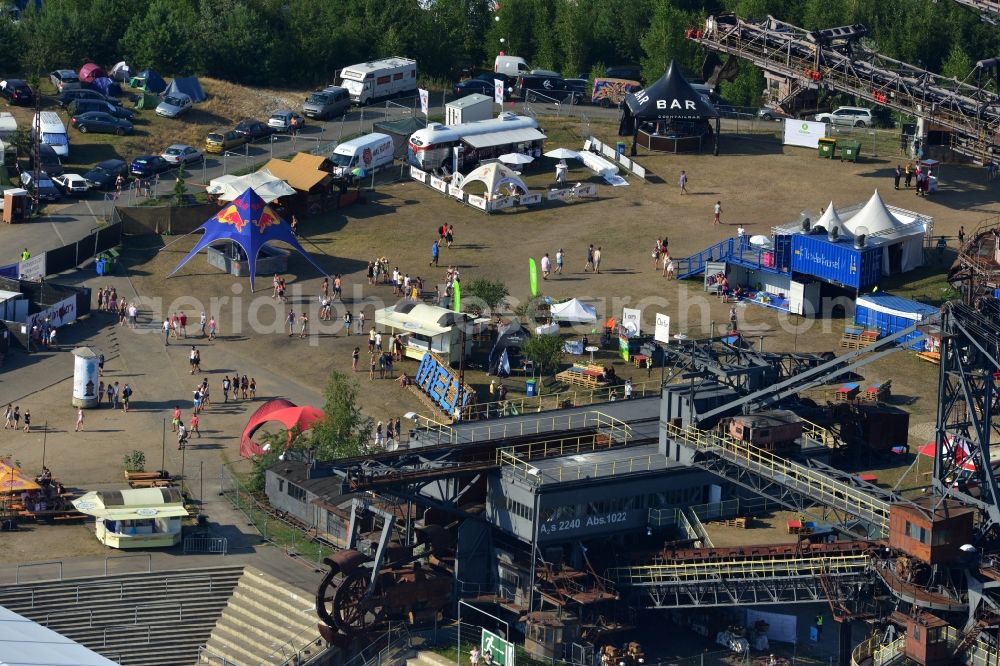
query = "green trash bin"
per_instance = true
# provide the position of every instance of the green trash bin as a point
(849, 150)
(827, 148)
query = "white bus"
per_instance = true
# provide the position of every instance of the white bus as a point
(380, 79)
(431, 148)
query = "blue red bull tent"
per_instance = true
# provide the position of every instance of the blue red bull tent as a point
(249, 223)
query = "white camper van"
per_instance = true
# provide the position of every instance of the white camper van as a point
(370, 152)
(512, 66)
(380, 79)
(52, 130)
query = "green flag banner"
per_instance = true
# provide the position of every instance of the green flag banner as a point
(533, 276)
(456, 292)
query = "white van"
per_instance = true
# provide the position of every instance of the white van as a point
(380, 79)
(512, 66)
(370, 152)
(52, 130)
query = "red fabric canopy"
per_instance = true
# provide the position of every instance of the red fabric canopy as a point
(283, 411)
(91, 71)
(953, 446)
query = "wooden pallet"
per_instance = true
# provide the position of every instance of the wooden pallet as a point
(740, 522)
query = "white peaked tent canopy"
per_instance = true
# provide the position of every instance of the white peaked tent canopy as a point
(574, 310)
(875, 217)
(267, 186)
(830, 220)
(494, 176)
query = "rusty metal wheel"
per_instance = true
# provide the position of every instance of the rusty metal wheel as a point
(352, 611)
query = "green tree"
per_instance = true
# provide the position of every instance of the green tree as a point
(958, 64)
(230, 40)
(53, 37)
(546, 351)
(490, 293)
(665, 41)
(746, 88)
(163, 38)
(344, 431)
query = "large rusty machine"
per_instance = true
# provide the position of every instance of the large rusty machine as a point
(371, 584)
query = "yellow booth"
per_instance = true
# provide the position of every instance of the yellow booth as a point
(138, 518)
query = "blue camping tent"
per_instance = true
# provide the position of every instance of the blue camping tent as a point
(149, 81)
(249, 223)
(190, 86)
(106, 87)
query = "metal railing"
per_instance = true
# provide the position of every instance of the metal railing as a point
(699, 529)
(133, 629)
(295, 650)
(206, 544)
(837, 565)
(815, 485)
(881, 654)
(666, 516)
(521, 470)
(555, 401)
(616, 429)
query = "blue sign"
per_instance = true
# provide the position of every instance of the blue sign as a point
(440, 384)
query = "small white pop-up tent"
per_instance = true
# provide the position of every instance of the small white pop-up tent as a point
(495, 176)
(899, 233)
(832, 224)
(574, 310)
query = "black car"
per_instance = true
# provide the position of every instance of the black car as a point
(104, 174)
(96, 121)
(67, 97)
(48, 161)
(145, 166)
(80, 106)
(546, 89)
(16, 91)
(41, 183)
(254, 130)
(472, 86)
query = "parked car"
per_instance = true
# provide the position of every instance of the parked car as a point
(96, 121)
(546, 89)
(282, 121)
(174, 105)
(330, 102)
(471, 86)
(218, 142)
(629, 72)
(145, 166)
(104, 174)
(41, 183)
(253, 130)
(579, 87)
(17, 92)
(67, 97)
(48, 160)
(71, 183)
(849, 116)
(778, 115)
(65, 79)
(80, 106)
(180, 152)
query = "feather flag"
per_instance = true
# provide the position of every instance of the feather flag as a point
(456, 292)
(504, 367)
(533, 276)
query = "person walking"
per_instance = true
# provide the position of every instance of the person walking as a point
(175, 419)
(8, 416)
(732, 319)
(961, 236)
(245, 386)
(181, 436)
(683, 182)
(290, 323)
(126, 396)
(590, 258)
(303, 324)
(192, 357)
(371, 366)
(449, 237)
(253, 388)
(546, 266)
(17, 417)
(355, 357)
(25, 255)
(79, 415)
(182, 321)
(435, 252)
(338, 288)
(213, 329)
(347, 323)
(908, 174)
(560, 258)
(116, 395)
(166, 332)
(896, 175)
(194, 425)
(379, 435)
(597, 259)
(27, 420)
(225, 389)
(202, 321)
(718, 212)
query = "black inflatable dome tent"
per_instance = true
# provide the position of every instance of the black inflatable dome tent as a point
(670, 97)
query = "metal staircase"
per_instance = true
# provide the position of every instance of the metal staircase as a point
(737, 582)
(730, 250)
(844, 64)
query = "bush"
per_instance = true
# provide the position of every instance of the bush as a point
(134, 461)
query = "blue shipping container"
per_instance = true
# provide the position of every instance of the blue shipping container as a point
(891, 314)
(838, 263)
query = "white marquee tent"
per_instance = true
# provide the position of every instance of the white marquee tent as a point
(900, 233)
(268, 186)
(830, 220)
(574, 310)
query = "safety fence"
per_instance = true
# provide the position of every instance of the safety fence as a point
(619, 157)
(560, 400)
(875, 652)
(72, 255)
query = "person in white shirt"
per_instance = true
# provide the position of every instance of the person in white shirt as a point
(546, 266)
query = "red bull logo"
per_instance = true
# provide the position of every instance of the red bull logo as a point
(268, 218)
(231, 215)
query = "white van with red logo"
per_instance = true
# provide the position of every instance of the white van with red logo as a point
(371, 152)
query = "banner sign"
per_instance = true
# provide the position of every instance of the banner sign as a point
(631, 321)
(63, 312)
(424, 96)
(502, 651)
(440, 384)
(33, 269)
(498, 91)
(804, 133)
(662, 332)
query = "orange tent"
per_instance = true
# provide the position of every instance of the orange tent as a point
(13, 481)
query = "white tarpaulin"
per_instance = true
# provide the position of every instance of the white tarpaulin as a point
(804, 133)
(267, 186)
(781, 627)
(574, 310)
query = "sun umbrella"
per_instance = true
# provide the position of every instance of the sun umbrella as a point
(760, 240)
(358, 171)
(516, 158)
(12, 481)
(563, 154)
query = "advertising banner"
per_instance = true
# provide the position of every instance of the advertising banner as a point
(33, 269)
(804, 133)
(662, 331)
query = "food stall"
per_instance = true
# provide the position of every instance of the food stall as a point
(136, 518)
(423, 328)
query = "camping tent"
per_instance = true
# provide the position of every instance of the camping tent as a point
(267, 186)
(902, 241)
(494, 176)
(282, 411)
(146, 100)
(670, 97)
(250, 223)
(106, 87)
(121, 72)
(91, 71)
(148, 81)
(573, 310)
(190, 86)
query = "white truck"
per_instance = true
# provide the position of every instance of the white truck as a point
(512, 66)
(371, 152)
(380, 79)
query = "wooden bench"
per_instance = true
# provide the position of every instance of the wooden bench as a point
(579, 379)
(144, 476)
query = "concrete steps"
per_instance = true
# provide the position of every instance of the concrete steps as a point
(425, 658)
(265, 621)
(138, 619)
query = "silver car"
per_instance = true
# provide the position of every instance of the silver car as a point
(181, 153)
(174, 105)
(65, 79)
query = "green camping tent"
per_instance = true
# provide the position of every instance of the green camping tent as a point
(147, 101)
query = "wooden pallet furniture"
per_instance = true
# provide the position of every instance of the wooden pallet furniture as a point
(847, 392)
(583, 374)
(877, 392)
(930, 357)
(739, 521)
(868, 338)
(851, 337)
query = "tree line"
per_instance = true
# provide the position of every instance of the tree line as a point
(303, 42)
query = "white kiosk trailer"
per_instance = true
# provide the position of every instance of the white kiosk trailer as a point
(380, 79)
